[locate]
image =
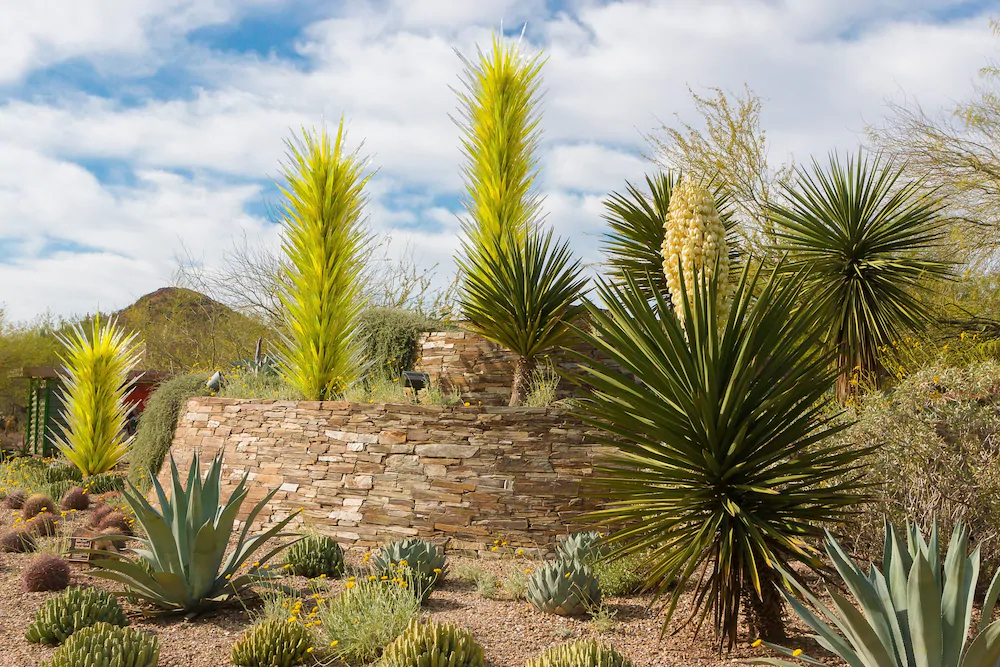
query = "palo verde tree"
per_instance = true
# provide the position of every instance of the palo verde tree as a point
(326, 246)
(519, 284)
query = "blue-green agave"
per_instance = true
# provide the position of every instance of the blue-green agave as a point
(182, 565)
(915, 612)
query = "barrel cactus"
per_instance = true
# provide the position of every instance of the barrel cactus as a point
(695, 242)
(105, 645)
(74, 609)
(75, 498)
(564, 587)
(36, 504)
(272, 644)
(585, 547)
(14, 500)
(315, 555)
(17, 540)
(581, 653)
(45, 572)
(433, 645)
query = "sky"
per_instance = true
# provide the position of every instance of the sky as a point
(134, 132)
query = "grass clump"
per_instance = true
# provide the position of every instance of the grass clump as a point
(363, 620)
(266, 384)
(156, 427)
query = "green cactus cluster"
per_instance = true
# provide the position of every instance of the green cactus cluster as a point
(580, 653)
(564, 587)
(74, 609)
(273, 643)
(105, 645)
(585, 547)
(105, 482)
(433, 645)
(315, 555)
(61, 472)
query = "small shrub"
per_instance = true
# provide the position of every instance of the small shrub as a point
(75, 499)
(14, 500)
(390, 338)
(621, 576)
(73, 609)
(485, 582)
(267, 384)
(365, 618)
(314, 555)
(117, 521)
(18, 540)
(35, 504)
(43, 525)
(45, 572)
(105, 645)
(544, 383)
(581, 653)
(272, 644)
(515, 584)
(433, 644)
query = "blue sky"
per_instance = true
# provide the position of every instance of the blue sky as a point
(133, 132)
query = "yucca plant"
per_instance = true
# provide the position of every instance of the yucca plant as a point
(914, 612)
(722, 471)
(518, 287)
(863, 239)
(325, 250)
(637, 222)
(182, 565)
(96, 367)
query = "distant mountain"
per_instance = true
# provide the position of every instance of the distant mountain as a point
(184, 329)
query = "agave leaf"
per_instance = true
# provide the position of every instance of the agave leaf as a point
(984, 651)
(861, 635)
(924, 613)
(897, 619)
(989, 603)
(961, 574)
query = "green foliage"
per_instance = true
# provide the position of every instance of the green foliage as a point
(326, 247)
(57, 489)
(433, 645)
(24, 345)
(544, 383)
(60, 472)
(365, 618)
(564, 587)
(623, 576)
(157, 424)
(637, 222)
(916, 610)
(581, 653)
(73, 609)
(521, 294)
(314, 555)
(719, 432)
(390, 338)
(272, 644)
(96, 383)
(45, 572)
(863, 241)
(184, 548)
(266, 384)
(934, 456)
(418, 561)
(586, 546)
(105, 483)
(518, 287)
(104, 645)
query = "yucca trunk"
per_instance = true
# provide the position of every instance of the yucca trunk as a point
(523, 369)
(765, 612)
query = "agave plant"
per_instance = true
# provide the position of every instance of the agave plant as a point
(518, 286)
(864, 241)
(182, 565)
(638, 228)
(722, 471)
(914, 612)
(325, 247)
(96, 384)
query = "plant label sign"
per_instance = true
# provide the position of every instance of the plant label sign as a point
(79, 543)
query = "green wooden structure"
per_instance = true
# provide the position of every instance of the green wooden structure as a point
(44, 416)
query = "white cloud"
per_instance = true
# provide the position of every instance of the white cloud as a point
(824, 67)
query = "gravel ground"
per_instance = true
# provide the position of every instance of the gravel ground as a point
(510, 631)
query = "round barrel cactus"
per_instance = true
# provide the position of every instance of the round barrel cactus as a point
(564, 587)
(581, 653)
(433, 645)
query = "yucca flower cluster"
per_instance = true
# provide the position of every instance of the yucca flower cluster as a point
(697, 237)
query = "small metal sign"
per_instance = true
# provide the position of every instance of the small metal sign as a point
(79, 543)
